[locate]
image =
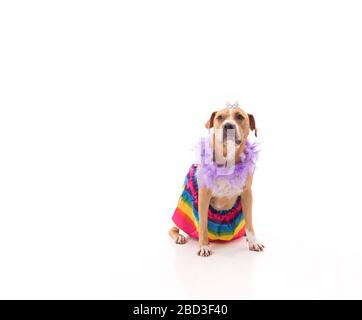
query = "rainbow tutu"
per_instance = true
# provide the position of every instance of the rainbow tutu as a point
(224, 225)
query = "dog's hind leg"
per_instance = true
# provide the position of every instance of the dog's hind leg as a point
(176, 236)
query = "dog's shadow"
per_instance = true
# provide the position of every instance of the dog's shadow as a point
(226, 274)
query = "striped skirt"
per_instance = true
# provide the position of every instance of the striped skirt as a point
(222, 225)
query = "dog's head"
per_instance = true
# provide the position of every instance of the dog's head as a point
(231, 126)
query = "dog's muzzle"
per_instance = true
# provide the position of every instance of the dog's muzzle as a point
(230, 132)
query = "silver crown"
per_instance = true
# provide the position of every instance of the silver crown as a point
(232, 106)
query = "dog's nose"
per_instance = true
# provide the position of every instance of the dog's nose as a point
(228, 126)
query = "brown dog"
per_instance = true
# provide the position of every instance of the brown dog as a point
(240, 122)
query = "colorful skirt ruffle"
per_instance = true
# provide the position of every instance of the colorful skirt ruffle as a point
(223, 225)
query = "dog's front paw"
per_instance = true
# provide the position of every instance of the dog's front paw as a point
(254, 244)
(204, 251)
(180, 239)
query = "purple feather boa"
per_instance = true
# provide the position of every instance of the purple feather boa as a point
(236, 175)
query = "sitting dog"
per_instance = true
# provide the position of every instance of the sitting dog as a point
(216, 201)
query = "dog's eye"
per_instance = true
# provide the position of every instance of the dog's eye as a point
(219, 117)
(239, 116)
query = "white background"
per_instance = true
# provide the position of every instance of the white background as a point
(100, 104)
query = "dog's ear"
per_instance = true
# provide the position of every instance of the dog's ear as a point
(210, 123)
(252, 124)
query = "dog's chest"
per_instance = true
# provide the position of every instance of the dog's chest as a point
(223, 188)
